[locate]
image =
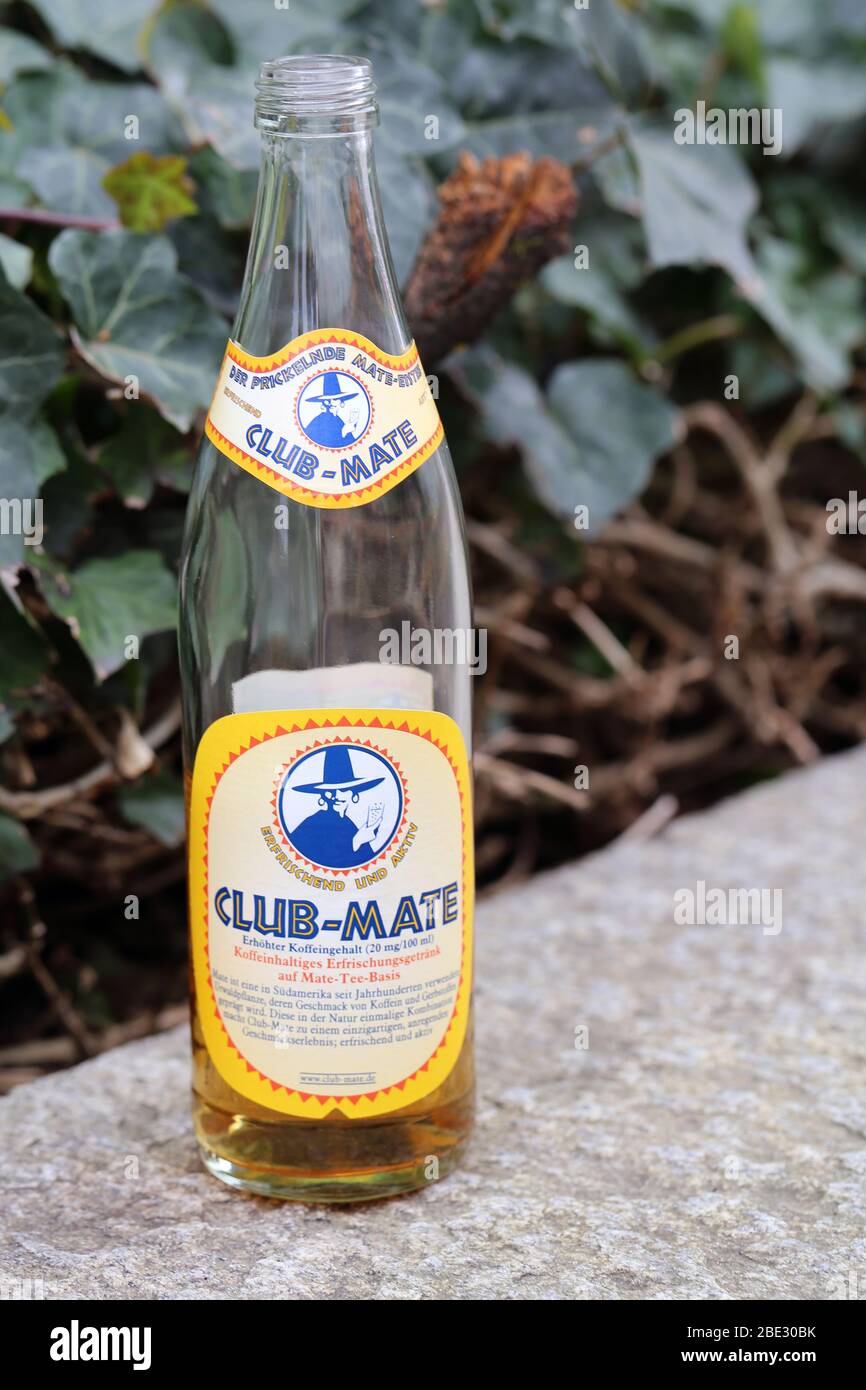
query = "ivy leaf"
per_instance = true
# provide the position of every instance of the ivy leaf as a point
(844, 228)
(617, 426)
(150, 190)
(408, 93)
(813, 93)
(217, 110)
(696, 200)
(181, 39)
(111, 31)
(616, 264)
(408, 205)
(136, 315)
(565, 135)
(741, 42)
(32, 355)
(211, 259)
(68, 180)
(265, 29)
(611, 38)
(545, 20)
(156, 804)
(63, 108)
(591, 441)
(29, 454)
(16, 262)
(224, 193)
(142, 453)
(20, 53)
(819, 318)
(18, 854)
(25, 651)
(106, 601)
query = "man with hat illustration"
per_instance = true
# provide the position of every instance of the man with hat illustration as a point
(337, 421)
(329, 836)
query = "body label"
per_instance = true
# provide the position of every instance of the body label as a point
(331, 885)
(330, 420)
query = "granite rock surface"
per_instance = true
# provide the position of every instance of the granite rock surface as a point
(667, 1110)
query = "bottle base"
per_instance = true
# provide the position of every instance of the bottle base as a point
(371, 1186)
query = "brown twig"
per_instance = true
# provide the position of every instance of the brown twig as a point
(29, 805)
(47, 217)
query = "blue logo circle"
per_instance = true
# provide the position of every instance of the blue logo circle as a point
(340, 806)
(334, 410)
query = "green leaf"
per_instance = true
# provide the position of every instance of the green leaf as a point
(844, 228)
(137, 316)
(16, 262)
(812, 93)
(217, 110)
(20, 53)
(14, 192)
(545, 20)
(29, 453)
(617, 426)
(409, 206)
(32, 354)
(611, 37)
(741, 41)
(224, 193)
(262, 30)
(408, 93)
(142, 453)
(211, 258)
(594, 292)
(68, 180)
(216, 101)
(497, 80)
(590, 441)
(616, 264)
(69, 499)
(25, 651)
(111, 31)
(819, 318)
(567, 135)
(18, 854)
(63, 108)
(156, 804)
(150, 190)
(850, 427)
(765, 376)
(107, 601)
(99, 121)
(184, 37)
(697, 201)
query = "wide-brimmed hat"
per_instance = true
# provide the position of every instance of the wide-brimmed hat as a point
(339, 775)
(331, 390)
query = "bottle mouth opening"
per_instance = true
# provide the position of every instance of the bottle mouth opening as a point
(313, 85)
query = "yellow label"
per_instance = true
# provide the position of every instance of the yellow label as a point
(331, 893)
(331, 420)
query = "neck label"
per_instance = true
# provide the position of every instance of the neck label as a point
(330, 420)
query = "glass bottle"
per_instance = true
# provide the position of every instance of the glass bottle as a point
(324, 570)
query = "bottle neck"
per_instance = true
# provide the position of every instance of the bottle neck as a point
(319, 253)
